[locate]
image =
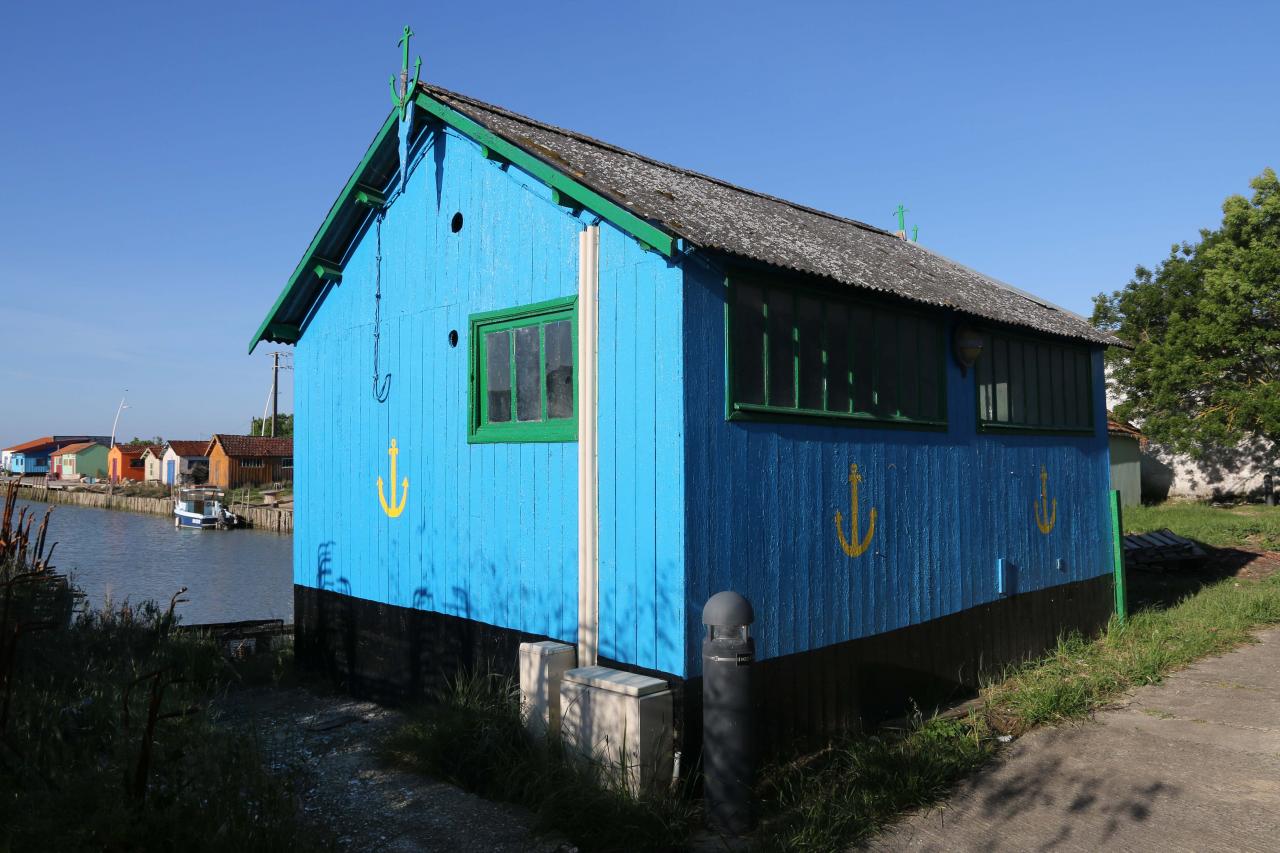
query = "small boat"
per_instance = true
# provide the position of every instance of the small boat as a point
(202, 507)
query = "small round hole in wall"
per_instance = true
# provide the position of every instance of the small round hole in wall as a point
(455, 224)
(453, 337)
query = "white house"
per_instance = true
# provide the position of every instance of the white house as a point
(151, 463)
(179, 458)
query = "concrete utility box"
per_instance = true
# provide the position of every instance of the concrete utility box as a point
(542, 665)
(622, 720)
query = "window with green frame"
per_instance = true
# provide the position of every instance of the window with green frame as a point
(799, 352)
(1031, 383)
(524, 385)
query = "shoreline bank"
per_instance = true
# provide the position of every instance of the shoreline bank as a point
(258, 518)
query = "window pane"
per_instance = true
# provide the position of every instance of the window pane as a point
(497, 377)
(983, 368)
(528, 375)
(1000, 375)
(928, 340)
(559, 339)
(1055, 362)
(1070, 413)
(837, 342)
(864, 343)
(1017, 387)
(1084, 363)
(884, 381)
(1031, 375)
(1044, 393)
(748, 344)
(909, 366)
(782, 380)
(809, 328)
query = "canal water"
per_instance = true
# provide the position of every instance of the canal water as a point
(230, 575)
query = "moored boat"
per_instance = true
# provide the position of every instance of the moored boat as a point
(202, 507)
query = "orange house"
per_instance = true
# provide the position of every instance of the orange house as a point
(249, 460)
(124, 462)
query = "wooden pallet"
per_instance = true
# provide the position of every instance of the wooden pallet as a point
(1160, 549)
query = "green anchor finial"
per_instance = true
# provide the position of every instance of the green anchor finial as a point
(901, 213)
(403, 98)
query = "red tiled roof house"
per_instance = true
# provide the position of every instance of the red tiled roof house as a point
(249, 460)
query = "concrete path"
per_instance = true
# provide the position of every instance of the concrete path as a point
(1191, 764)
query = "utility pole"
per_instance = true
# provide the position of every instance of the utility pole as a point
(275, 390)
(111, 475)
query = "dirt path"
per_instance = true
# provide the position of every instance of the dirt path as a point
(330, 742)
(1190, 764)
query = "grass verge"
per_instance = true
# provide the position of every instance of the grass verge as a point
(1250, 525)
(474, 737)
(861, 784)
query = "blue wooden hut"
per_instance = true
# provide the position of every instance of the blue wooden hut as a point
(550, 388)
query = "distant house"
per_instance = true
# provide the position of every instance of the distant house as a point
(124, 462)
(249, 460)
(179, 460)
(86, 460)
(32, 458)
(152, 465)
(1126, 442)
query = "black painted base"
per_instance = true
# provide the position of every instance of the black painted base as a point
(395, 653)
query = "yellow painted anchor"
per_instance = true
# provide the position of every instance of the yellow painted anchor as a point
(393, 510)
(1046, 517)
(855, 548)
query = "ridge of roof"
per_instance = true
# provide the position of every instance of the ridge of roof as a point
(432, 89)
(764, 228)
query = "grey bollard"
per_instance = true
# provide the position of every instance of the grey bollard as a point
(728, 754)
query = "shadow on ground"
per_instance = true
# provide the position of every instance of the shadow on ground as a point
(1152, 588)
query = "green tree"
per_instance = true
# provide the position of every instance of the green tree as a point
(284, 426)
(1204, 374)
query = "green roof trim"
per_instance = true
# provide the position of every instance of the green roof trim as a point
(493, 144)
(357, 192)
(307, 262)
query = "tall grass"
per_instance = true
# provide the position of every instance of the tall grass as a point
(109, 745)
(474, 737)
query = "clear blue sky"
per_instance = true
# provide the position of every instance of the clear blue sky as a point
(163, 166)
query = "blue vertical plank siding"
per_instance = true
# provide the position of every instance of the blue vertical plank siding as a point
(641, 447)
(761, 499)
(489, 531)
(691, 502)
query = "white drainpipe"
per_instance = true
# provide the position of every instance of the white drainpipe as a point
(588, 455)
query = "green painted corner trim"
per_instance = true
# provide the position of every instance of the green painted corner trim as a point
(369, 197)
(652, 236)
(326, 271)
(1117, 558)
(388, 127)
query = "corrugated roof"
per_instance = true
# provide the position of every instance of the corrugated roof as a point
(714, 214)
(75, 448)
(34, 444)
(252, 445)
